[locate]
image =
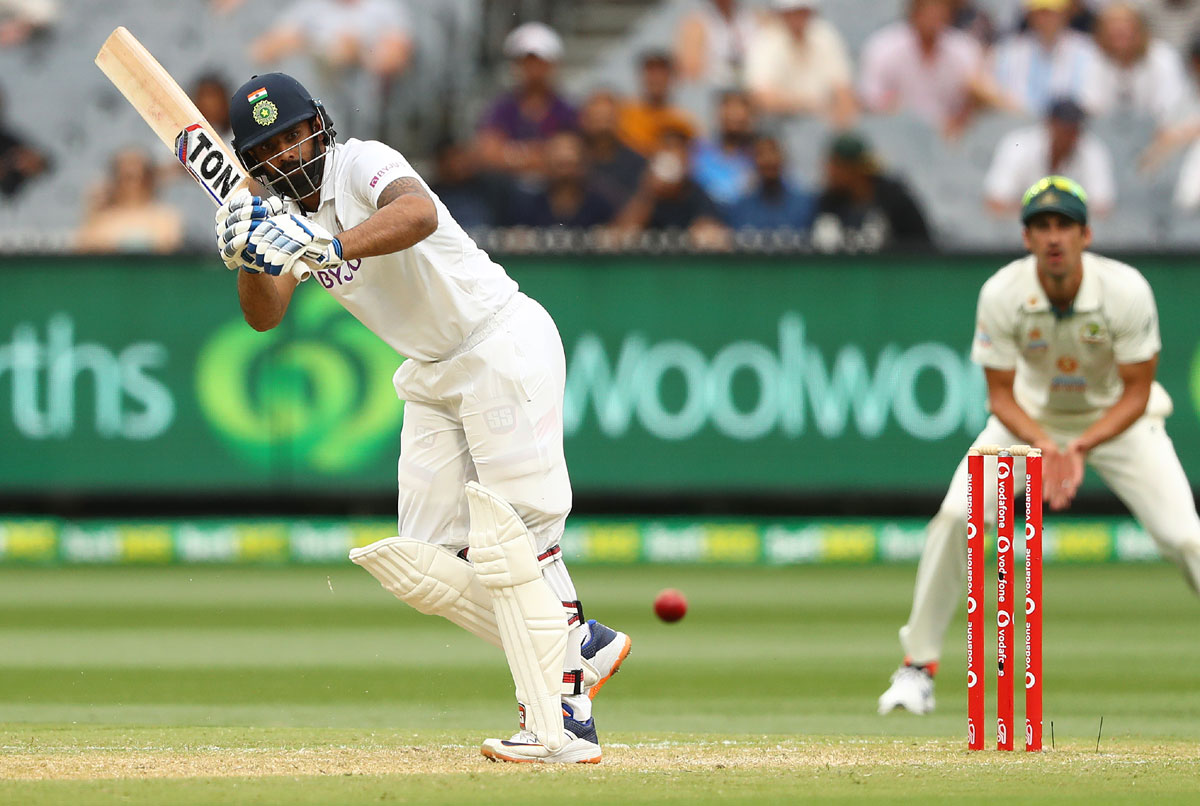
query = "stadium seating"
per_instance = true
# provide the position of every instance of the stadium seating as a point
(58, 99)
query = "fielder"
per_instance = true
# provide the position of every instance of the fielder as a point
(483, 485)
(1069, 343)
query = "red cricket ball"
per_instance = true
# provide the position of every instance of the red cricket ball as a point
(670, 605)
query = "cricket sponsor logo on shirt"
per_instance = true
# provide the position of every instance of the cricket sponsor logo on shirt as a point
(338, 275)
(382, 172)
(322, 393)
(1068, 380)
(1035, 342)
(1067, 364)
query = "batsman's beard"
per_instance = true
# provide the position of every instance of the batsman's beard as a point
(295, 180)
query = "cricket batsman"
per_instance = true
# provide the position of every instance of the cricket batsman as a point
(1069, 343)
(483, 485)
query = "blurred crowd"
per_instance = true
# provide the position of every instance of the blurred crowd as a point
(628, 164)
(607, 166)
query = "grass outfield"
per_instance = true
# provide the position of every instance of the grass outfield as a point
(311, 685)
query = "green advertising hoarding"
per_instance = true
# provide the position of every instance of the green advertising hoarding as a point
(612, 541)
(717, 374)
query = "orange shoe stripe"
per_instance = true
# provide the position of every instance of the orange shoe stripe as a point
(594, 690)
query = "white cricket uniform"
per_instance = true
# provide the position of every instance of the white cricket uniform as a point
(484, 380)
(1066, 377)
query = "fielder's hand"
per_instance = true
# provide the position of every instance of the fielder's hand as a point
(236, 217)
(291, 244)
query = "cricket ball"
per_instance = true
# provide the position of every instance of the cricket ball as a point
(670, 605)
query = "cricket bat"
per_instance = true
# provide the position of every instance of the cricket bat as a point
(168, 110)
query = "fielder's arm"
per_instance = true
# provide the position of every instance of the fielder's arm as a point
(1060, 475)
(1003, 404)
(405, 216)
(1130, 406)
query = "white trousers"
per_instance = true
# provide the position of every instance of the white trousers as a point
(491, 413)
(1140, 466)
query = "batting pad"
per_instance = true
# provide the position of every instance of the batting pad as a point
(433, 581)
(528, 614)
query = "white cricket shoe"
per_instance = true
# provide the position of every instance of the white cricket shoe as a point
(582, 745)
(911, 689)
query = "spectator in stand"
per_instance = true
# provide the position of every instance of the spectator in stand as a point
(710, 44)
(1183, 133)
(860, 208)
(566, 199)
(966, 16)
(513, 133)
(669, 199)
(1176, 22)
(19, 161)
(1137, 74)
(475, 199)
(798, 65)
(1186, 125)
(1082, 14)
(774, 203)
(360, 48)
(643, 122)
(211, 93)
(22, 20)
(924, 66)
(614, 169)
(724, 167)
(124, 213)
(1059, 146)
(1047, 61)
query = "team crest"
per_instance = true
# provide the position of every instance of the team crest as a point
(265, 113)
(1093, 333)
(1068, 364)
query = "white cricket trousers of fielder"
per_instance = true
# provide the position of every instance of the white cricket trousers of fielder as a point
(1140, 466)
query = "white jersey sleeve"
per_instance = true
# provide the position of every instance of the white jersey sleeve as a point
(373, 167)
(995, 344)
(1135, 324)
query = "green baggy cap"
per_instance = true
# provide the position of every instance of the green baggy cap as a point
(1055, 194)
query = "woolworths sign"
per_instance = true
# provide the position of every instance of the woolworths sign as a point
(790, 388)
(710, 375)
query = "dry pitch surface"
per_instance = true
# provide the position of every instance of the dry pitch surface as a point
(689, 769)
(870, 757)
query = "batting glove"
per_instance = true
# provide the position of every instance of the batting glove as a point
(235, 218)
(292, 244)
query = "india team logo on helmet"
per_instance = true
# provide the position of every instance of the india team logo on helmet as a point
(265, 113)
